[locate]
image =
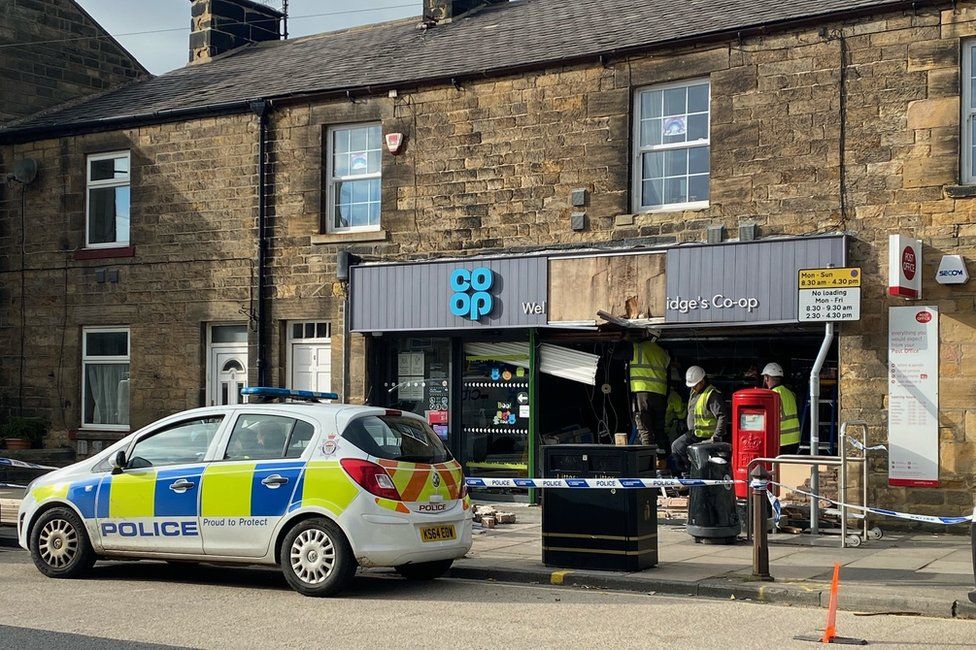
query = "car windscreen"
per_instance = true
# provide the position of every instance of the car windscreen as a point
(395, 437)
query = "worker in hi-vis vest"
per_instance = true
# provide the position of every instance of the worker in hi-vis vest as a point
(708, 418)
(789, 422)
(676, 411)
(649, 391)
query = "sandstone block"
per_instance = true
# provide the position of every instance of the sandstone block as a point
(933, 113)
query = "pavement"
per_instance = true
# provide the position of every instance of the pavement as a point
(906, 573)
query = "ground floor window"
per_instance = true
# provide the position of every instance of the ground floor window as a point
(495, 409)
(105, 377)
(418, 379)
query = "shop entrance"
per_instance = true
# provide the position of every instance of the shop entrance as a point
(574, 412)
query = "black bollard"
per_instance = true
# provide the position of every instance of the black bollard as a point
(760, 547)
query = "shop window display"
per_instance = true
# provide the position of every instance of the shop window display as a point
(495, 415)
(419, 381)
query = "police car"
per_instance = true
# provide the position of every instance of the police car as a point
(317, 488)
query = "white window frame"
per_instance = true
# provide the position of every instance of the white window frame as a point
(102, 360)
(968, 172)
(109, 182)
(638, 151)
(331, 179)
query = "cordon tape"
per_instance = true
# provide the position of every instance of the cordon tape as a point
(10, 462)
(631, 483)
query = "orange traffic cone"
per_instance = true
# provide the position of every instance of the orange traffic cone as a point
(830, 632)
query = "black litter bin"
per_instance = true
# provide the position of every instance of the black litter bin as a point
(712, 514)
(608, 529)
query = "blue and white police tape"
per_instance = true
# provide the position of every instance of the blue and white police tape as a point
(857, 444)
(12, 486)
(593, 483)
(929, 519)
(11, 462)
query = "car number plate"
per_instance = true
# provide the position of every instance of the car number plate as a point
(437, 533)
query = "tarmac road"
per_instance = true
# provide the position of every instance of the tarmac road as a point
(202, 606)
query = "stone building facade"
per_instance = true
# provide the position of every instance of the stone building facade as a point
(841, 124)
(51, 52)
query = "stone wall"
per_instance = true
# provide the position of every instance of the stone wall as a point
(193, 215)
(800, 144)
(76, 57)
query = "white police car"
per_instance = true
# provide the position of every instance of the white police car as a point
(317, 488)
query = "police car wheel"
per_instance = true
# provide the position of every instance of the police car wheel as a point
(424, 570)
(59, 544)
(316, 558)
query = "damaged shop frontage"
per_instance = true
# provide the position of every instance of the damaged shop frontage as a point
(503, 354)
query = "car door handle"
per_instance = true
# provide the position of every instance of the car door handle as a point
(274, 481)
(181, 485)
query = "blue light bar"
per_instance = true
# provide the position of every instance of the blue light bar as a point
(270, 391)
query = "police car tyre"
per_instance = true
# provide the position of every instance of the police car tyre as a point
(316, 558)
(59, 544)
(424, 570)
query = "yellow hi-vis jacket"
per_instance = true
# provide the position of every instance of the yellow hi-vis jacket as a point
(649, 369)
(705, 420)
(674, 414)
(789, 423)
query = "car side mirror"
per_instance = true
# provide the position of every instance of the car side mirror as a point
(118, 463)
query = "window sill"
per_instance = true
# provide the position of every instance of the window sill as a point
(105, 253)
(960, 191)
(349, 237)
(675, 207)
(95, 433)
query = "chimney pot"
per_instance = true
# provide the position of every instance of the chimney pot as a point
(444, 11)
(218, 26)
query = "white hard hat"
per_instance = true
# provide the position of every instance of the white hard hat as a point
(694, 375)
(772, 370)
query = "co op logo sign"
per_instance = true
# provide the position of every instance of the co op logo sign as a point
(471, 298)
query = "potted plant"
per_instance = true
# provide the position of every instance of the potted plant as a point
(23, 432)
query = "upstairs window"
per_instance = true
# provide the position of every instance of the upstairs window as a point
(107, 200)
(968, 112)
(353, 169)
(671, 146)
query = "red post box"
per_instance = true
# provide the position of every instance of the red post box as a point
(755, 432)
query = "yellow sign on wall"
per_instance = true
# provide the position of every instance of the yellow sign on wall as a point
(829, 278)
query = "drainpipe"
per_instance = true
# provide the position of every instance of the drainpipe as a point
(815, 423)
(260, 108)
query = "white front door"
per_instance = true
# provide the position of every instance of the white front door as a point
(311, 367)
(226, 364)
(230, 376)
(310, 356)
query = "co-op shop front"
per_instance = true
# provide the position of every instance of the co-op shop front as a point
(503, 354)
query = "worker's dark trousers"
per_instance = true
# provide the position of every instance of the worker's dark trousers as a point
(679, 450)
(649, 411)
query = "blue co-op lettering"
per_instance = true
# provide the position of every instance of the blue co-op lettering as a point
(471, 298)
(154, 529)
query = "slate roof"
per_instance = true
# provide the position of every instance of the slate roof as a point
(496, 38)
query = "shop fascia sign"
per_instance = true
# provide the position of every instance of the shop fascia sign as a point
(904, 267)
(472, 296)
(952, 270)
(718, 301)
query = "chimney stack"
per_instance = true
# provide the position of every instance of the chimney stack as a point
(444, 11)
(218, 26)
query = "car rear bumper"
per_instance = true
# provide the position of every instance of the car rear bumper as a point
(392, 542)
